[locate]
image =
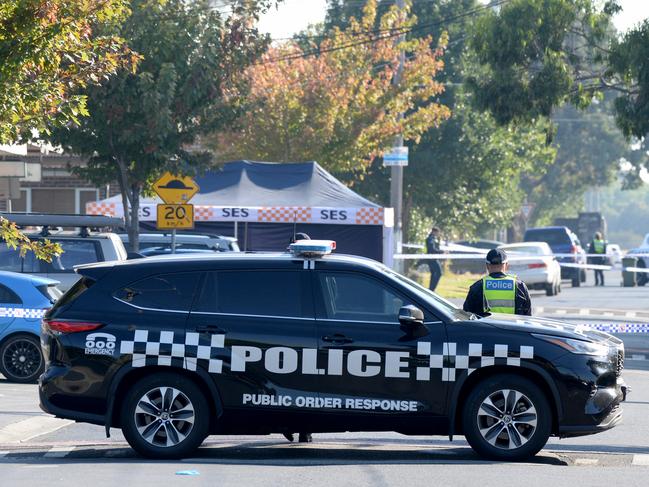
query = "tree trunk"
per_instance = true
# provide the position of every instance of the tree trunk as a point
(129, 203)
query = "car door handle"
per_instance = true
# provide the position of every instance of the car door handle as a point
(337, 338)
(213, 329)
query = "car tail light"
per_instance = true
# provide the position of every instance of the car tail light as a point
(537, 265)
(70, 326)
(574, 249)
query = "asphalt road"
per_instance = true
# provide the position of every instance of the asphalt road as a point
(73, 453)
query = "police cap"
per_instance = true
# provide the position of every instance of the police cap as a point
(496, 257)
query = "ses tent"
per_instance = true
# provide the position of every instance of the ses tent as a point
(263, 203)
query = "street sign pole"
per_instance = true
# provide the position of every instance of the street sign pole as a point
(173, 241)
(396, 173)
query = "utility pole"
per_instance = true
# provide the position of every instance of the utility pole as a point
(396, 171)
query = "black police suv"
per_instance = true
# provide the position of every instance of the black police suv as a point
(173, 349)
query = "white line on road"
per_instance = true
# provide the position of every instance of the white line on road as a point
(630, 314)
(59, 451)
(30, 428)
(641, 460)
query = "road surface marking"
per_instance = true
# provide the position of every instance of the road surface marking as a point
(586, 461)
(630, 314)
(539, 309)
(59, 451)
(584, 311)
(636, 356)
(641, 460)
(560, 311)
(30, 428)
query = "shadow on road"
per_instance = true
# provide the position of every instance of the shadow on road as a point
(285, 455)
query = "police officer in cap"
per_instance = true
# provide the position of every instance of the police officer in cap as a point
(498, 292)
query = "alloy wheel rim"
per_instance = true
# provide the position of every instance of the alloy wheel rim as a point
(164, 417)
(22, 359)
(507, 419)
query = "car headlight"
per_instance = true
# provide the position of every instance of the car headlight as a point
(579, 347)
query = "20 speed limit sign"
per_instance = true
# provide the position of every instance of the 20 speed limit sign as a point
(175, 216)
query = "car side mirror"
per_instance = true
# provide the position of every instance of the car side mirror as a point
(134, 255)
(411, 316)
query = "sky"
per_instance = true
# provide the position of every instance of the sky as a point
(295, 15)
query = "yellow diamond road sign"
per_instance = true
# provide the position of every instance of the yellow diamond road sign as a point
(175, 216)
(175, 190)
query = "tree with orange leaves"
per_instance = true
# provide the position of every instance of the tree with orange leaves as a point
(337, 102)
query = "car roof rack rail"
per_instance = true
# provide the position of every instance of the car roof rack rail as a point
(48, 220)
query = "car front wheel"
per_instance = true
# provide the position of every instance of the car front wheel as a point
(21, 359)
(165, 416)
(507, 417)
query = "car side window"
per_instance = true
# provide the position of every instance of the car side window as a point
(356, 297)
(75, 252)
(162, 292)
(7, 296)
(255, 292)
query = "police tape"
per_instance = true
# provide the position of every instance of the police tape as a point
(620, 327)
(519, 258)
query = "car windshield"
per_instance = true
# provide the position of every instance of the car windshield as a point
(439, 302)
(552, 237)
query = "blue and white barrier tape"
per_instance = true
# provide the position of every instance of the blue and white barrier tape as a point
(28, 313)
(620, 327)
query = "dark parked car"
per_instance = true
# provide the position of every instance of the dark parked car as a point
(562, 241)
(173, 349)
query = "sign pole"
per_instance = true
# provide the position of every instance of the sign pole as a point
(173, 241)
(396, 172)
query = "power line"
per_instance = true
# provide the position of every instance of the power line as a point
(389, 34)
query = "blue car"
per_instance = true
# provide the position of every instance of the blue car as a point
(24, 299)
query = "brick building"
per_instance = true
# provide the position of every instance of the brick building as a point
(57, 190)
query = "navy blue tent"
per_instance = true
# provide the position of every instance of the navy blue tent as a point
(262, 203)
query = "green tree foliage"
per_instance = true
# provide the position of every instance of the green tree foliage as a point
(48, 49)
(144, 123)
(589, 150)
(341, 107)
(464, 174)
(629, 61)
(535, 55)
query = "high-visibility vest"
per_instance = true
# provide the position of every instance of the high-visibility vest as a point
(599, 246)
(499, 294)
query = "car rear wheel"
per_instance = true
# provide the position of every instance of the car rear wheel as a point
(165, 416)
(507, 417)
(576, 282)
(21, 359)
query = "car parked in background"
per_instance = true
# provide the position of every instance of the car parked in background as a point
(217, 243)
(533, 263)
(24, 299)
(642, 255)
(79, 246)
(562, 241)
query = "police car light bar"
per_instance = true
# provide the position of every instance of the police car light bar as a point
(312, 248)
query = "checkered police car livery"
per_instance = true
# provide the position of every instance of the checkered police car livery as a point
(310, 341)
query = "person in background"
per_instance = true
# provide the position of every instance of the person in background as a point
(498, 292)
(433, 247)
(598, 246)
